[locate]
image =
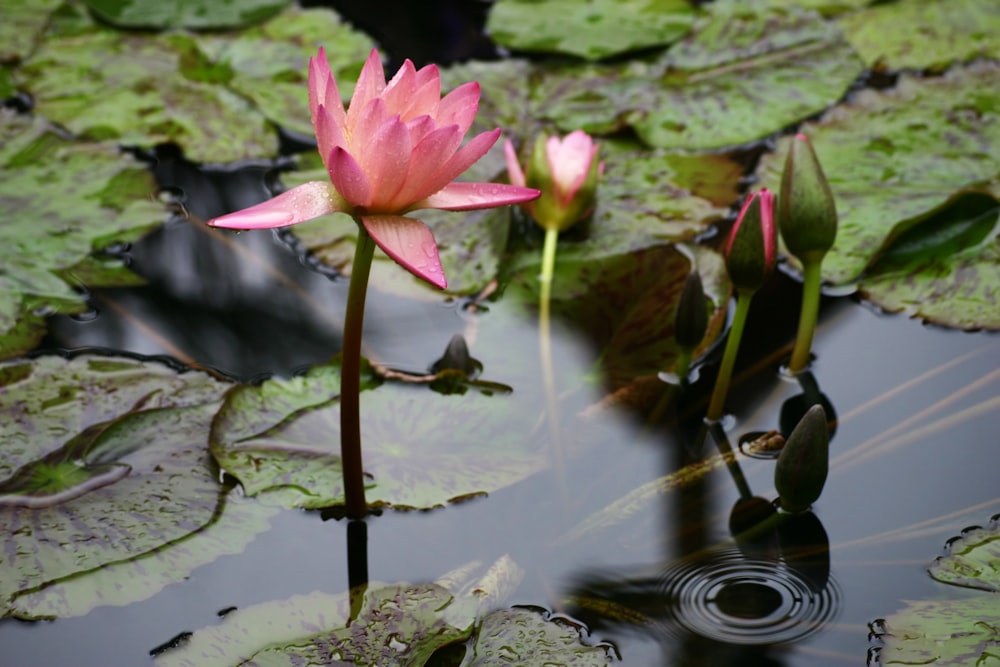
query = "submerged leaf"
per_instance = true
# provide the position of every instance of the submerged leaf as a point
(421, 449)
(892, 157)
(107, 493)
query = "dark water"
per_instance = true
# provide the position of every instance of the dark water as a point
(913, 462)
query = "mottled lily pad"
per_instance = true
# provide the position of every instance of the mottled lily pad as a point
(521, 636)
(63, 201)
(946, 269)
(973, 559)
(927, 34)
(421, 449)
(107, 492)
(202, 94)
(774, 68)
(963, 633)
(895, 156)
(591, 29)
(21, 25)
(198, 14)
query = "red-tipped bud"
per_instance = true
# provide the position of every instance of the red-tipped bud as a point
(750, 253)
(807, 214)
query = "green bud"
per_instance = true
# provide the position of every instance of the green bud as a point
(691, 319)
(802, 466)
(750, 254)
(807, 214)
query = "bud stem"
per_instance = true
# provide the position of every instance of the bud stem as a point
(811, 278)
(350, 377)
(545, 347)
(717, 404)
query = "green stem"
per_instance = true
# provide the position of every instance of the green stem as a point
(350, 377)
(545, 342)
(718, 401)
(681, 370)
(811, 278)
(732, 464)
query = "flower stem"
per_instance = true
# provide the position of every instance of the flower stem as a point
(811, 278)
(545, 343)
(350, 377)
(716, 405)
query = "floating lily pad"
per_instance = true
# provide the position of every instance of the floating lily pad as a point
(591, 29)
(773, 69)
(421, 449)
(521, 636)
(895, 156)
(973, 559)
(963, 633)
(107, 492)
(216, 97)
(929, 34)
(946, 269)
(624, 304)
(64, 200)
(21, 25)
(198, 14)
(392, 624)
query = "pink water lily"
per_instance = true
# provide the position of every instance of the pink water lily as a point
(395, 149)
(566, 171)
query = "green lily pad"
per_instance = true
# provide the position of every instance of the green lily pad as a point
(624, 304)
(217, 97)
(773, 69)
(107, 493)
(973, 559)
(521, 636)
(197, 14)
(421, 449)
(385, 624)
(941, 632)
(591, 29)
(895, 156)
(21, 25)
(944, 270)
(924, 34)
(65, 200)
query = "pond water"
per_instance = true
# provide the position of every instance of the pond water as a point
(913, 462)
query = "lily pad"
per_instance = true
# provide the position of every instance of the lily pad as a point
(591, 29)
(925, 34)
(895, 156)
(107, 493)
(522, 636)
(385, 624)
(64, 200)
(200, 93)
(946, 269)
(21, 25)
(624, 304)
(774, 68)
(197, 14)
(943, 632)
(421, 449)
(973, 559)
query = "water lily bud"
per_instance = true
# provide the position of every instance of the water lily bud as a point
(801, 470)
(566, 171)
(807, 215)
(691, 319)
(750, 253)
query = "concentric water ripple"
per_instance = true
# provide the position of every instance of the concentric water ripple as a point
(732, 599)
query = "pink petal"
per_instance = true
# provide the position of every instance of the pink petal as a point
(323, 89)
(410, 243)
(329, 134)
(301, 203)
(348, 178)
(460, 161)
(399, 91)
(434, 149)
(370, 85)
(426, 96)
(388, 162)
(569, 162)
(469, 196)
(513, 166)
(459, 107)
